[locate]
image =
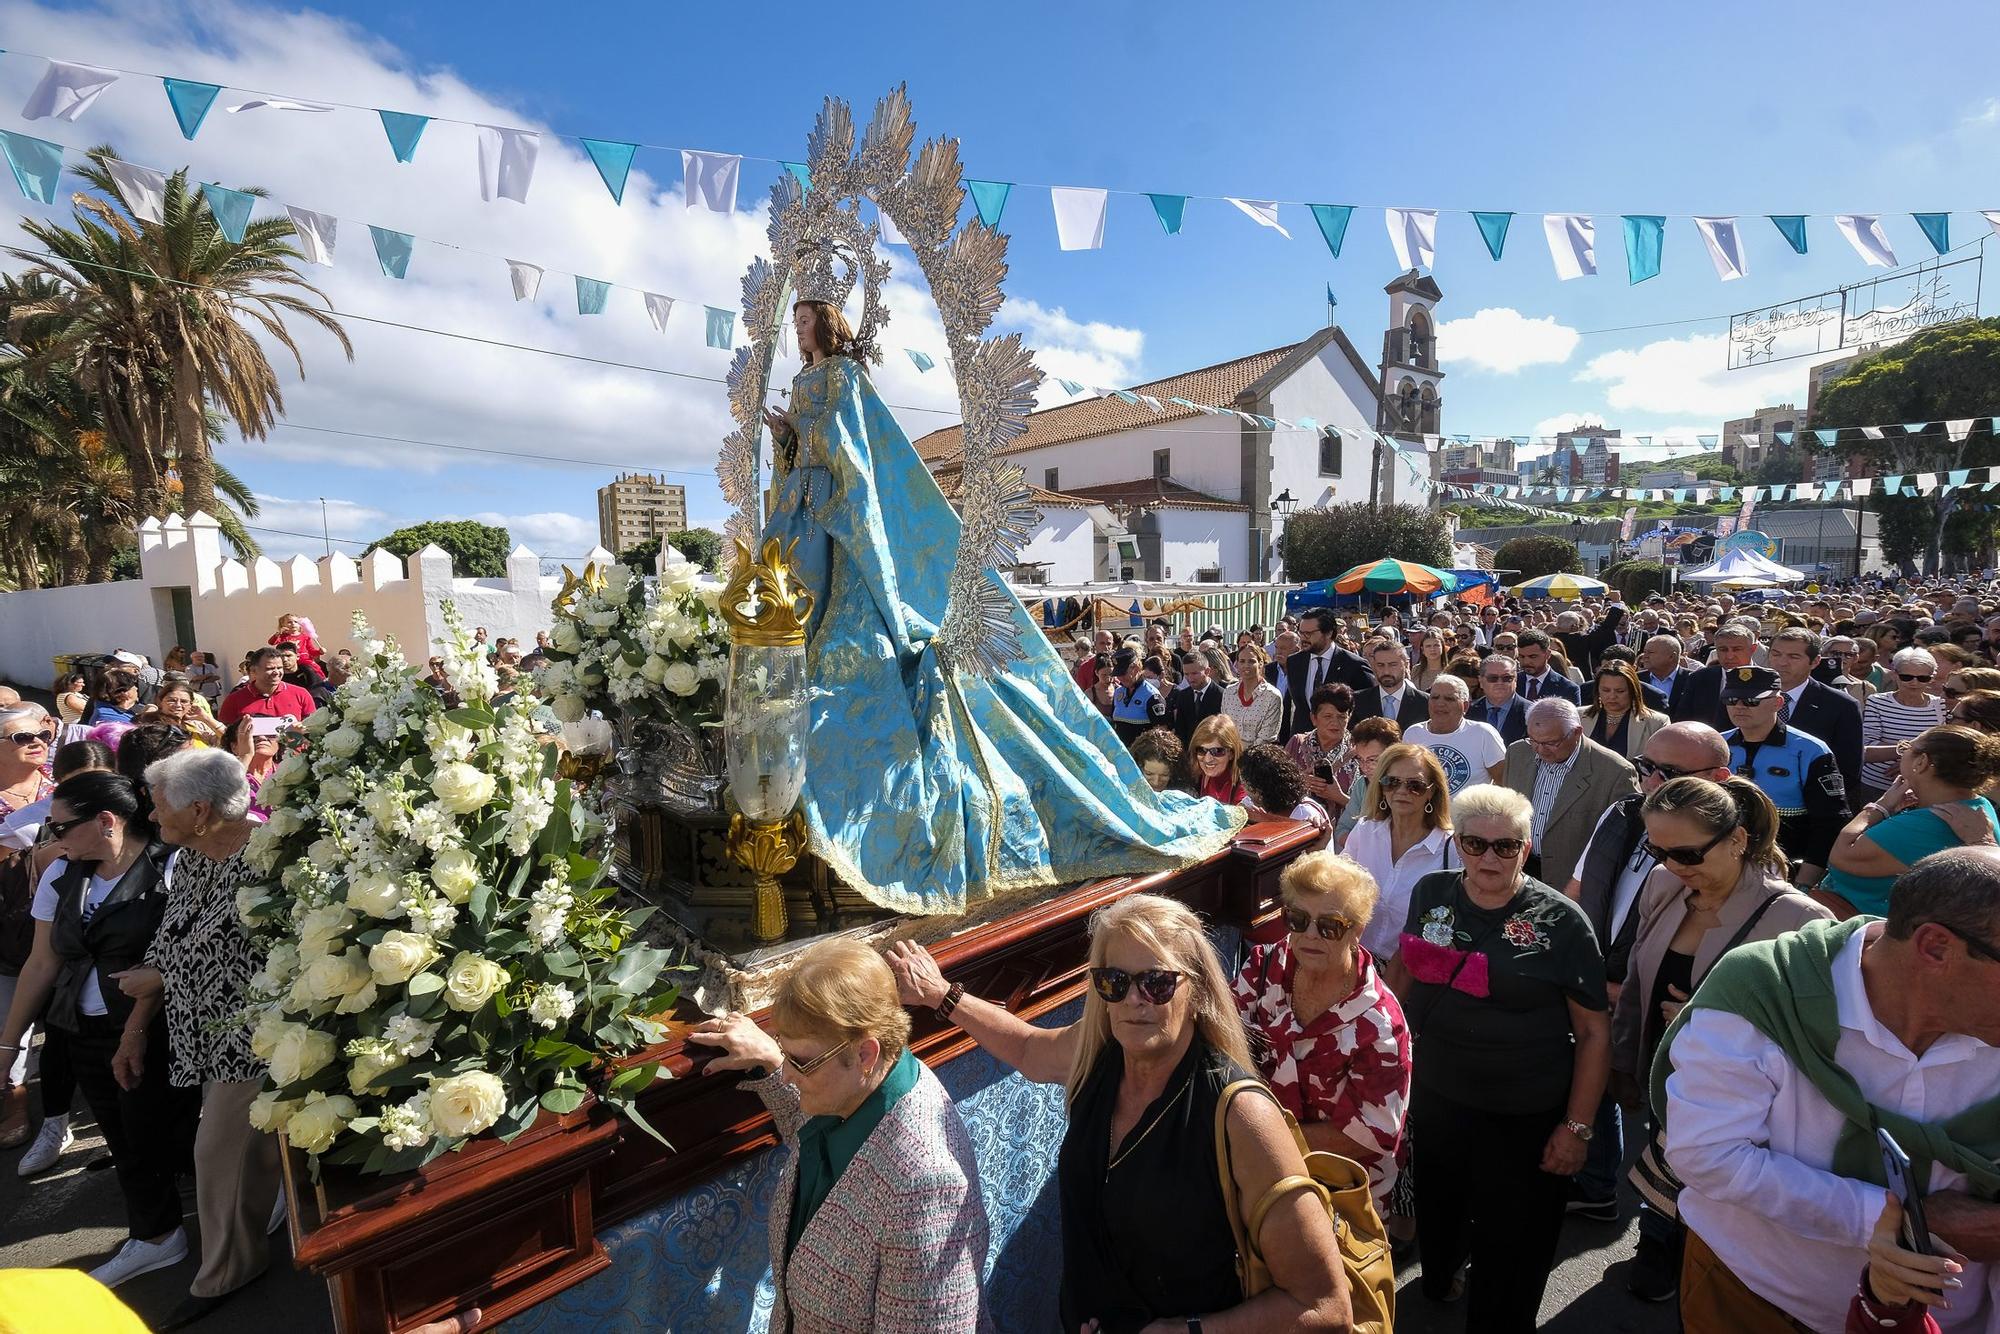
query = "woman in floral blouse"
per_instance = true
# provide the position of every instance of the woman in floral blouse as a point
(1327, 1033)
(1505, 993)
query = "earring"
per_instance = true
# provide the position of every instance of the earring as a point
(201, 831)
(1429, 807)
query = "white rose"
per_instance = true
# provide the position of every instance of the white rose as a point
(342, 742)
(471, 981)
(270, 1113)
(321, 929)
(271, 1027)
(618, 579)
(399, 956)
(656, 668)
(466, 1104)
(319, 1121)
(370, 1066)
(378, 895)
(570, 708)
(292, 771)
(363, 707)
(456, 874)
(261, 852)
(602, 620)
(334, 976)
(361, 1000)
(335, 791)
(318, 721)
(382, 806)
(682, 679)
(564, 637)
(324, 852)
(284, 822)
(300, 1053)
(462, 789)
(678, 577)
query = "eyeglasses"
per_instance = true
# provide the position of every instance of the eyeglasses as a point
(55, 829)
(1332, 926)
(1156, 985)
(1974, 945)
(1952, 692)
(1502, 677)
(813, 1063)
(1211, 752)
(1647, 768)
(1417, 786)
(30, 738)
(1472, 845)
(1751, 702)
(1686, 856)
(1907, 676)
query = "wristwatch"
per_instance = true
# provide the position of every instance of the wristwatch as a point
(953, 994)
(1580, 1129)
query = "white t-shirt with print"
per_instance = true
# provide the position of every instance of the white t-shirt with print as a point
(1467, 752)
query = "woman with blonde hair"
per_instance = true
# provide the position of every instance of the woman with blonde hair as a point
(1213, 753)
(1145, 1226)
(877, 1222)
(1403, 836)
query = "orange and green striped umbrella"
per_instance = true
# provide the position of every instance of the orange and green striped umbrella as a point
(1395, 576)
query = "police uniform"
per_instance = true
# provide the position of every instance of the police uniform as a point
(1796, 770)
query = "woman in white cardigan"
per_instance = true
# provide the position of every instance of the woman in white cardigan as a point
(877, 1223)
(1253, 703)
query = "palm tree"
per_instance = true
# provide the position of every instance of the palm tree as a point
(158, 321)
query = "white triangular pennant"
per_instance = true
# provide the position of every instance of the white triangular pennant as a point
(314, 232)
(1079, 216)
(1872, 432)
(1959, 429)
(1413, 232)
(277, 104)
(66, 90)
(891, 233)
(1263, 212)
(1572, 241)
(710, 179)
(1725, 246)
(1863, 486)
(1864, 232)
(526, 278)
(506, 162)
(659, 307)
(1992, 216)
(143, 189)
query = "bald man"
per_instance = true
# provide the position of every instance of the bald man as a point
(9, 697)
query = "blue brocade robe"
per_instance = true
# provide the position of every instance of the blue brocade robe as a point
(927, 792)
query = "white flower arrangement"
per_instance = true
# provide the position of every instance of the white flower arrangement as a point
(440, 955)
(641, 649)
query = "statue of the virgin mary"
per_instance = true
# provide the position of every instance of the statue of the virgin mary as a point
(929, 788)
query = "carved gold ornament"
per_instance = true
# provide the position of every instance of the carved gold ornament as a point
(763, 602)
(591, 582)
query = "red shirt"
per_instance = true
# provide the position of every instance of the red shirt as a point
(287, 701)
(1349, 1068)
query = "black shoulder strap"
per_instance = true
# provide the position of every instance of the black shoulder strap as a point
(1743, 932)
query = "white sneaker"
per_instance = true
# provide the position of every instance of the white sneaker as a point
(138, 1257)
(54, 1136)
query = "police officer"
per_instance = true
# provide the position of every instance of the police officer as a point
(1796, 770)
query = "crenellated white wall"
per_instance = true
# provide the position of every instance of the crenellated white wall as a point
(235, 606)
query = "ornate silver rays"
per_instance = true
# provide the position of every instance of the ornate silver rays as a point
(820, 247)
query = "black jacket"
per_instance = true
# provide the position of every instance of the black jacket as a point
(1583, 646)
(1186, 707)
(1699, 698)
(1834, 717)
(115, 938)
(1345, 668)
(1415, 706)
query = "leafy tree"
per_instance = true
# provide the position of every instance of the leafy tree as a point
(1636, 579)
(1537, 554)
(477, 550)
(1936, 376)
(643, 557)
(704, 546)
(1711, 468)
(1321, 543)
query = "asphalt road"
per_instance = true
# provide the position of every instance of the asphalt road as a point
(72, 1216)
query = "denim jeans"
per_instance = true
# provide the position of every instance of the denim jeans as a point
(1599, 1178)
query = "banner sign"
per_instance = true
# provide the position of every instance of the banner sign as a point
(1883, 309)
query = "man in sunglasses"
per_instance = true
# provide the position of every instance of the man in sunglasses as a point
(266, 694)
(1795, 769)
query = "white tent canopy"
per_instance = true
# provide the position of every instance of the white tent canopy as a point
(1742, 564)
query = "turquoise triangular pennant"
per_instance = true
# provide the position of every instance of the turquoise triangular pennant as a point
(1957, 476)
(1937, 226)
(721, 327)
(1493, 230)
(800, 173)
(392, 250)
(920, 360)
(1827, 437)
(1644, 233)
(1072, 388)
(590, 294)
(1169, 209)
(1332, 220)
(614, 163)
(36, 163)
(990, 198)
(1707, 441)
(1725, 494)
(1784, 437)
(1331, 299)
(1791, 226)
(403, 130)
(191, 102)
(231, 209)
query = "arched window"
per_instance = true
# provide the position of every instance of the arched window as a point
(1406, 406)
(1423, 345)
(1427, 413)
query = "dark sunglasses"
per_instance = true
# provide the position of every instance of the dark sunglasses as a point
(30, 738)
(1685, 856)
(1211, 750)
(1332, 926)
(1413, 784)
(1647, 768)
(1156, 985)
(1906, 676)
(1472, 845)
(1974, 945)
(806, 1067)
(55, 829)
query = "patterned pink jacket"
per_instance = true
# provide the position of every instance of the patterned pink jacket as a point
(900, 1243)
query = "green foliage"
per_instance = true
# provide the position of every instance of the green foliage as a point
(1636, 579)
(1536, 555)
(1711, 468)
(643, 557)
(125, 564)
(1321, 543)
(703, 546)
(477, 550)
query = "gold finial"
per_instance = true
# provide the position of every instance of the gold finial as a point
(591, 581)
(763, 602)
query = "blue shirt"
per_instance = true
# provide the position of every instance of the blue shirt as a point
(1141, 704)
(1909, 837)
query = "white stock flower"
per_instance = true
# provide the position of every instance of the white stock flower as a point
(682, 679)
(617, 580)
(368, 1060)
(466, 1104)
(318, 1121)
(471, 981)
(342, 743)
(407, 1125)
(551, 1006)
(456, 874)
(462, 789)
(411, 1035)
(300, 1053)
(399, 956)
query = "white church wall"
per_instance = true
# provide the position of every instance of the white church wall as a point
(1196, 540)
(1206, 455)
(1067, 540)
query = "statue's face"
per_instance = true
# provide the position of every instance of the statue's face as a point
(805, 323)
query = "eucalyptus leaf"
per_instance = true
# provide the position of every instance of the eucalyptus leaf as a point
(563, 1098)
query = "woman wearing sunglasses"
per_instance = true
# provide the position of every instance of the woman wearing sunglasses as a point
(175, 706)
(1502, 983)
(116, 700)
(1326, 1031)
(1212, 754)
(877, 1222)
(1895, 717)
(1933, 803)
(1720, 880)
(1404, 836)
(96, 912)
(1146, 1240)
(25, 737)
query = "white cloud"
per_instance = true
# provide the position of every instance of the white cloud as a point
(1985, 113)
(1567, 421)
(285, 526)
(1503, 340)
(1090, 352)
(552, 533)
(1690, 375)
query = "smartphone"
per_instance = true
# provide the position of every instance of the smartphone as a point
(261, 725)
(1902, 1180)
(1323, 771)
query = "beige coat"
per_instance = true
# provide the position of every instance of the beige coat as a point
(1662, 908)
(1637, 732)
(1598, 778)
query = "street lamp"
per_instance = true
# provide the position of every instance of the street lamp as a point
(1284, 503)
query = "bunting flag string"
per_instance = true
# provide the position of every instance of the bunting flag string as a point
(67, 90)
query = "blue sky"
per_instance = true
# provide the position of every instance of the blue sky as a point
(1689, 108)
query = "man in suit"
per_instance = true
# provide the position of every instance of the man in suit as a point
(1500, 706)
(1813, 707)
(1581, 645)
(1701, 698)
(1570, 780)
(1195, 698)
(1392, 695)
(1660, 667)
(1538, 680)
(1321, 662)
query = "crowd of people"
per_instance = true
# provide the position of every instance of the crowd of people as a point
(1692, 900)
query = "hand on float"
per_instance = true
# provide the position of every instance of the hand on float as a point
(744, 1045)
(918, 978)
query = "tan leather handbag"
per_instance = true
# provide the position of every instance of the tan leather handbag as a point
(1342, 1186)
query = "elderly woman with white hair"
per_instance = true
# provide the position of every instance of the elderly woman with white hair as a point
(1894, 718)
(199, 966)
(1147, 1237)
(26, 735)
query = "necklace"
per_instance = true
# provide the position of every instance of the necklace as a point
(1138, 1139)
(12, 795)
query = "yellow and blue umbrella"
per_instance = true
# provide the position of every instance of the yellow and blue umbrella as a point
(1562, 586)
(1395, 576)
